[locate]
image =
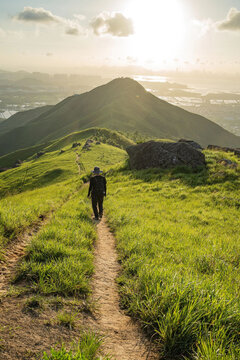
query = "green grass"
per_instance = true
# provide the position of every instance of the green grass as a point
(66, 319)
(9, 160)
(178, 241)
(42, 185)
(86, 349)
(59, 260)
(105, 136)
(20, 211)
(53, 168)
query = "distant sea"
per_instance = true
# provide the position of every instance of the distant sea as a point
(226, 113)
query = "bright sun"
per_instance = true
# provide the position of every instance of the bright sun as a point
(159, 27)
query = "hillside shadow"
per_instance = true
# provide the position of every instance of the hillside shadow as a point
(50, 177)
(202, 176)
(187, 175)
(190, 177)
(26, 182)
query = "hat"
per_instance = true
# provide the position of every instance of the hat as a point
(97, 170)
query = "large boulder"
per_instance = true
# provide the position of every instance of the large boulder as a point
(153, 154)
(192, 143)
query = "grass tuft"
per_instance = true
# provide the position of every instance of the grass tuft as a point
(86, 349)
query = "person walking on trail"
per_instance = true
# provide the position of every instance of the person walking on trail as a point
(97, 190)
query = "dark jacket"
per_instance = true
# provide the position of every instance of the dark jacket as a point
(97, 186)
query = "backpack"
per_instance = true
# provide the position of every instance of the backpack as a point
(98, 185)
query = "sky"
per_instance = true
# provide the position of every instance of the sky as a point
(68, 36)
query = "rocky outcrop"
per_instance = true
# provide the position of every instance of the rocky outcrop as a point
(153, 154)
(236, 151)
(76, 144)
(17, 163)
(39, 154)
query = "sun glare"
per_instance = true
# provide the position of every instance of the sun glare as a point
(159, 28)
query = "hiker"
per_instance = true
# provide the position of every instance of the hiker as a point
(97, 190)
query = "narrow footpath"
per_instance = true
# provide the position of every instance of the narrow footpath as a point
(123, 339)
(15, 251)
(77, 162)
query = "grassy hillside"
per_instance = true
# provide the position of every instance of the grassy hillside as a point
(53, 281)
(178, 241)
(22, 118)
(40, 185)
(177, 238)
(123, 105)
(103, 135)
(53, 168)
(9, 160)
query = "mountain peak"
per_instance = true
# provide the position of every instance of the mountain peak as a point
(122, 104)
(125, 82)
(122, 84)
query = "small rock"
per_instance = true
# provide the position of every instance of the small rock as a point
(76, 144)
(227, 162)
(39, 154)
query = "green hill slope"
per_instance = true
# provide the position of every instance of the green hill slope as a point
(123, 104)
(178, 241)
(58, 163)
(177, 238)
(102, 135)
(22, 118)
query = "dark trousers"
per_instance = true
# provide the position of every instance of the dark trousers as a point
(97, 205)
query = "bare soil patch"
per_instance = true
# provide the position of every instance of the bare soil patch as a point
(26, 333)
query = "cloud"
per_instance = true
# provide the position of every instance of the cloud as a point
(231, 23)
(37, 15)
(73, 28)
(45, 17)
(115, 24)
(72, 31)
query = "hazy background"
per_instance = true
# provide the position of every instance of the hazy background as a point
(184, 51)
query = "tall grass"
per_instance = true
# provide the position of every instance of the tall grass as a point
(178, 241)
(22, 210)
(59, 260)
(41, 185)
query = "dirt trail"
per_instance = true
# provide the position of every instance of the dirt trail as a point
(14, 252)
(124, 340)
(77, 162)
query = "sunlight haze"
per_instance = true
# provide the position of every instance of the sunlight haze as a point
(158, 35)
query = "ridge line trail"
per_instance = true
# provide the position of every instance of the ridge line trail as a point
(123, 339)
(77, 162)
(15, 251)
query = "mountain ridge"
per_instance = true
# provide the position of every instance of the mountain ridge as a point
(124, 105)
